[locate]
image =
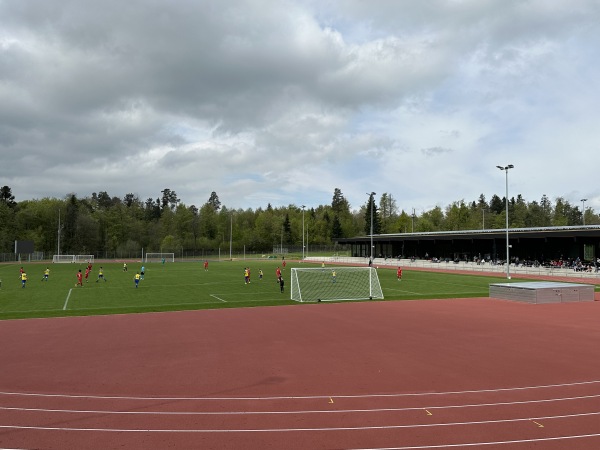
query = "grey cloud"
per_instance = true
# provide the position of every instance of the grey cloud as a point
(435, 151)
(141, 95)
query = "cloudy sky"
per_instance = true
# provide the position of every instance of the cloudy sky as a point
(282, 101)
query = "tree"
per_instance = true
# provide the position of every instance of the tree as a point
(70, 225)
(481, 203)
(7, 197)
(152, 209)
(336, 228)
(169, 199)
(371, 206)
(208, 222)
(287, 229)
(388, 210)
(534, 216)
(103, 199)
(519, 213)
(497, 205)
(457, 216)
(7, 227)
(339, 204)
(561, 212)
(130, 199)
(547, 211)
(213, 201)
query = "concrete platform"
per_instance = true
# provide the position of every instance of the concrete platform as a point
(543, 292)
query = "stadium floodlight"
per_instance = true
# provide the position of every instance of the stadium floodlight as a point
(371, 200)
(505, 169)
(583, 200)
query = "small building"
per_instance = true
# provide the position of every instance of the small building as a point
(541, 244)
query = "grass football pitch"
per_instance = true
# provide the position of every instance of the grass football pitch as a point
(187, 286)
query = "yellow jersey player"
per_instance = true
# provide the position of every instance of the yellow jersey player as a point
(101, 275)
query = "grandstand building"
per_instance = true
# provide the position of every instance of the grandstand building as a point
(530, 245)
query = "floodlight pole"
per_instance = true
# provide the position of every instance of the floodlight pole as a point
(306, 241)
(371, 195)
(583, 200)
(303, 206)
(58, 233)
(230, 236)
(505, 169)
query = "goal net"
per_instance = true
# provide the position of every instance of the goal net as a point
(158, 257)
(339, 283)
(63, 258)
(84, 258)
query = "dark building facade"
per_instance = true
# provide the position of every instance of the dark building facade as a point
(528, 244)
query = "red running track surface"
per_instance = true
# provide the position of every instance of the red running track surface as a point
(468, 373)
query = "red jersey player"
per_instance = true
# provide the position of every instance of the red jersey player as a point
(79, 279)
(399, 273)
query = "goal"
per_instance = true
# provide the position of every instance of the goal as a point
(84, 258)
(338, 283)
(63, 258)
(158, 257)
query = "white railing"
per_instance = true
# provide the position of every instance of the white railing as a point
(460, 266)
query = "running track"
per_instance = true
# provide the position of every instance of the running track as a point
(469, 373)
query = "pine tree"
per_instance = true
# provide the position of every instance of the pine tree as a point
(376, 220)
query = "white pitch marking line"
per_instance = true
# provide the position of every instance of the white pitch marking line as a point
(317, 411)
(67, 300)
(218, 298)
(306, 397)
(477, 444)
(272, 430)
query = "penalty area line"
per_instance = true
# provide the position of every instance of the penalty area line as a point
(67, 300)
(218, 298)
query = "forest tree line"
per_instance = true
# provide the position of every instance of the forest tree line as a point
(100, 224)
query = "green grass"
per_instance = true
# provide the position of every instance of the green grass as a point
(186, 286)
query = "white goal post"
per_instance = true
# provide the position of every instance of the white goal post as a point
(334, 283)
(63, 258)
(158, 257)
(84, 258)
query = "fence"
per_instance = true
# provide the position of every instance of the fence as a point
(181, 254)
(14, 257)
(515, 270)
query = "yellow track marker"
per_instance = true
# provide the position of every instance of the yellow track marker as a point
(330, 400)
(428, 413)
(538, 424)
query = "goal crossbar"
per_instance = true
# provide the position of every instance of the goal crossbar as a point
(334, 283)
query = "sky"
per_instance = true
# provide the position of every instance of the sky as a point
(282, 101)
